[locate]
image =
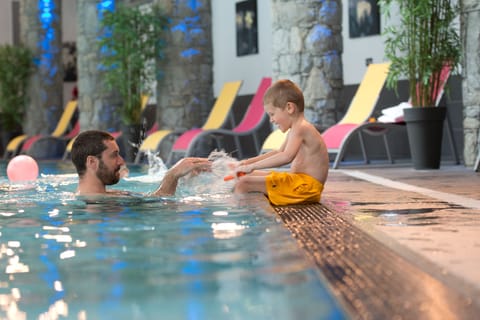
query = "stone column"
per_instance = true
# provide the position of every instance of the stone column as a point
(471, 79)
(40, 25)
(97, 105)
(185, 93)
(307, 48)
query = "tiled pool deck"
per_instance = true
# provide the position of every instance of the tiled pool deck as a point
(401, 243)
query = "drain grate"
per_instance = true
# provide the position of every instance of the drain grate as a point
(372, 280)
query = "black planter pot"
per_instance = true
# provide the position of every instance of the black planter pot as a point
(132, 135)
(425, 132)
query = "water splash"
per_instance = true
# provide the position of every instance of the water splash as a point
(156, 165)
(210, 183)
(156, 170)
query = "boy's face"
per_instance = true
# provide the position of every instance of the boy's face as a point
(279, 116)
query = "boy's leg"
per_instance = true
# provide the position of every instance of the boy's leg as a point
(251, 183)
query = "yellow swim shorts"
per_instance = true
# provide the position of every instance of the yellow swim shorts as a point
(285, 188)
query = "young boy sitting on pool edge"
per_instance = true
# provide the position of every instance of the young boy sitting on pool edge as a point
(303, 148)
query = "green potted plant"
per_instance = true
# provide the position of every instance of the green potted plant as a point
(131, 43)
(424, 43)
(16, 67)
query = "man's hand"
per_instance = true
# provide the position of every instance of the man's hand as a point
(190, 165)
(180, 169)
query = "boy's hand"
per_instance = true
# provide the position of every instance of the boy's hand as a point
(244, 169)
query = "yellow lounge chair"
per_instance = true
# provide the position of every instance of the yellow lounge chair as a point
(337, 138)
(13, 146)
(358, 113)
(23, 142)
(360, 110)
(217, 118)
(274, 141)
(254, 125)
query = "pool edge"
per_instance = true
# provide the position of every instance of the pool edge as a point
(370, 279)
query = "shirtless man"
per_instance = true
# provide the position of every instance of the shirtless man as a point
(304, 149)
(98, 162)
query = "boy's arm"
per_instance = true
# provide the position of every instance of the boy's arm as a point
(264, 155)
(258, 158)
(284, 156)
(180, 169)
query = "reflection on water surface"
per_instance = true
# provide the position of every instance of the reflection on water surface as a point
(194, 256)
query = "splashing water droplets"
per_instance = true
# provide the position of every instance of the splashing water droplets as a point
(211, 183)
(156, 165)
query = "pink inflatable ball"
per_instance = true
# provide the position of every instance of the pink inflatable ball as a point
(22, 168)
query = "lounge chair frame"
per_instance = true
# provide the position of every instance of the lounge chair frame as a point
(355, 121)
(476, 167)
(220, 115)
(382, 129)
(24, 144)
(251, 124)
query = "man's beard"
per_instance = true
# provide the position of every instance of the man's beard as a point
(107, 177)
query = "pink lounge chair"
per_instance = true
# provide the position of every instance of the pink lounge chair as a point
(338, 137)
(219, 117)
(251, 125)
(35, 146)
(360, 110)
(52, 146)
(23, 143)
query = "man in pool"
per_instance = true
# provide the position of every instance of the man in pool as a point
(98, 162)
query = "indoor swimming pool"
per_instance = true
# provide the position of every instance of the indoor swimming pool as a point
(203, 254)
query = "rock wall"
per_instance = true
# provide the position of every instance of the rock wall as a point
(41, 31)
(185, 84)
(307, 48)
(97, 105)
(471, 80)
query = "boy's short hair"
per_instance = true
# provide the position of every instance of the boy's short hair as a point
(284, 91)
(88, 143)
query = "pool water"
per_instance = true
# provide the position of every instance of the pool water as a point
(203, 254)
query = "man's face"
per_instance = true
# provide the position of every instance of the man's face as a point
(111, 161)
